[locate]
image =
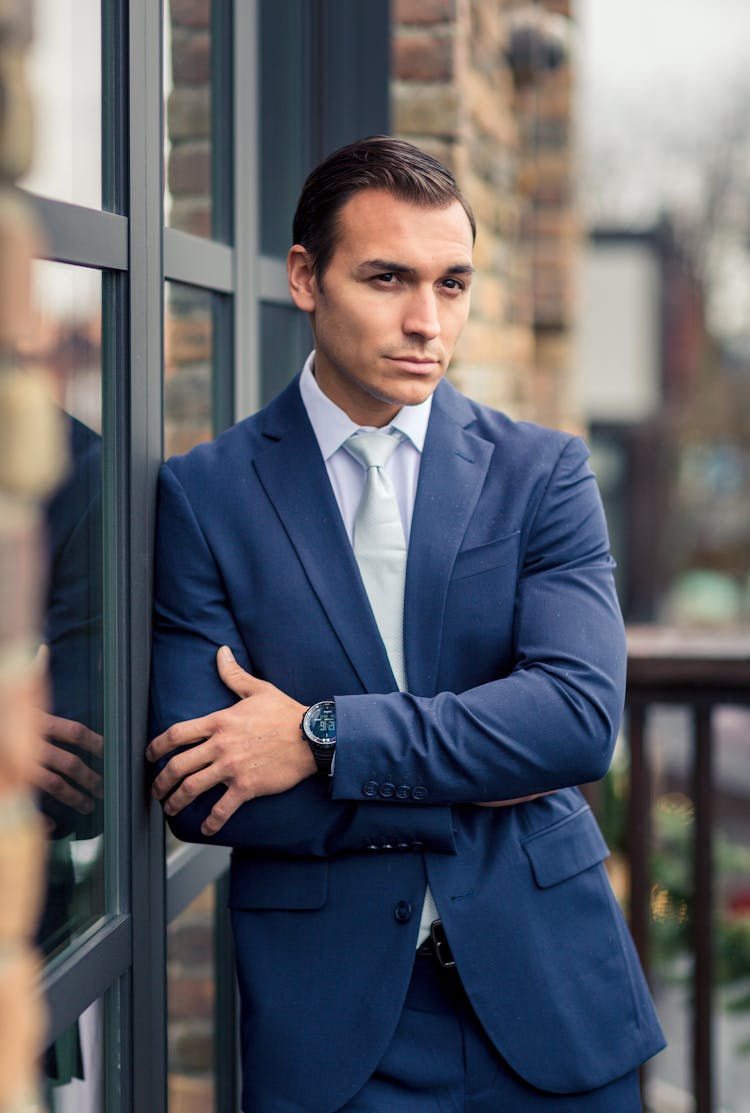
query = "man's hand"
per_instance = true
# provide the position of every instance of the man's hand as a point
(255, 748)
(515, 800)
(63, 774)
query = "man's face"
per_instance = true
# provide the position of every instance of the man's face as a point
(391, 304)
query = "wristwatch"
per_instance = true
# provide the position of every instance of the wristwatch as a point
(319, 731)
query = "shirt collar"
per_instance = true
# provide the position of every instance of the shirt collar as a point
(332, 426)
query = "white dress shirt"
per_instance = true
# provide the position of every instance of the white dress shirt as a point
(332, 427)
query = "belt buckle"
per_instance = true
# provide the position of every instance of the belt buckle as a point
(443, 952)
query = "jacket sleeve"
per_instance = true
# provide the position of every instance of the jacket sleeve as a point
(553, 721)
(192, 618)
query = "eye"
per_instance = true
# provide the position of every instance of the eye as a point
(453, 284)
(388, 278)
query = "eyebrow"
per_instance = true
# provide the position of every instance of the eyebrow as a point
(388, 265)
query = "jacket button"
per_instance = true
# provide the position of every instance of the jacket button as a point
(371, 846)
(386, 790)
(417, 845)
(370, 788)
(403, 792)
(419, 792)
(403, 911)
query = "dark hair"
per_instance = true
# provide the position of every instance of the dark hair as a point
(378, 162)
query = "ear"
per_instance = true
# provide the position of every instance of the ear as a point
(302, 283)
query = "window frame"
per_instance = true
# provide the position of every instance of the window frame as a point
(122, 957)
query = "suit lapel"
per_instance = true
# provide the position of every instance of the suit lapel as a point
(452, 471)
(293, 473)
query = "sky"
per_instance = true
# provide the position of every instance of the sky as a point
(657, 79)
(664, 110)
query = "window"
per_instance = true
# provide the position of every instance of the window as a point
(166, 137)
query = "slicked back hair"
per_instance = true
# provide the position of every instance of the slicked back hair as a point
(378, 162)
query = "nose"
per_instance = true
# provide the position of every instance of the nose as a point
(421, 317)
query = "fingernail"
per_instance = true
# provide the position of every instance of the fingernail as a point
(226, 653)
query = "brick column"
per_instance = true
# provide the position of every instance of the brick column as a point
(453, 94)
(31, 456)
(552, 233)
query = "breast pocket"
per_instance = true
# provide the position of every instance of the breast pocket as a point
(490, 557)
(566, 848)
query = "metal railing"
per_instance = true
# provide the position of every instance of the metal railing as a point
(699, 672)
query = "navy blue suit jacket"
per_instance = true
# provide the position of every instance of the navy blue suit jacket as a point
(515, 655)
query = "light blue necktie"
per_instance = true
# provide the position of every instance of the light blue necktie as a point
(379, 543)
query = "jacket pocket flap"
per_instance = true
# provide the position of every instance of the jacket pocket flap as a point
(483, 558)
(260, 883)
(566, 848)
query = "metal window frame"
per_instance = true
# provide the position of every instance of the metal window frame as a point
(122, 957)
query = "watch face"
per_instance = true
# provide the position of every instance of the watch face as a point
(320, 721)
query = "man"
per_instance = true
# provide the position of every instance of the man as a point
(424, 814)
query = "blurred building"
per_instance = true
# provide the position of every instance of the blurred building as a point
(642, 344)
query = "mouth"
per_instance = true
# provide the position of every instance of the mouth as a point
(420, 365)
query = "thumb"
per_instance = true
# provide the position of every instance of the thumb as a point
(233, 675)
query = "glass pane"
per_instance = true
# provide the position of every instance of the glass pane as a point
(73, 1066)
(285, 342)
(191, 990)
(65, 76)
(65, 339)
(284, 40)
(188, 360)
(187, 102)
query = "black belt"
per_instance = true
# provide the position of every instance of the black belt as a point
(436, 946)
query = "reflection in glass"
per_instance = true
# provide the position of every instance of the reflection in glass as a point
(187, 101)
(74, 1066)
(188, 357)
(283, 159)
(191, 997)
(285, 342)
(64, 66)
(65, 339)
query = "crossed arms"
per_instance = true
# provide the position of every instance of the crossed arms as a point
(247, 777)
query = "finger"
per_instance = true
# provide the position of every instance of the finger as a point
(71, 766)
(515, 800)
(223, 810)
(234, 676)
(191, 788)
(57, 787)
(75, 734)
(181, 766)
(179, 734)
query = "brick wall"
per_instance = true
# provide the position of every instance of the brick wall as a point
(191, 993)
(188, 111)
(27, 419)
(511, 148)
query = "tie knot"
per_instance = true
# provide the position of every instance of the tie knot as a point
(373, 450)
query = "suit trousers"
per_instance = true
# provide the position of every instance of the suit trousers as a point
(440, 1061)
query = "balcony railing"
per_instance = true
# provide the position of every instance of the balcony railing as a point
(700, 673)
